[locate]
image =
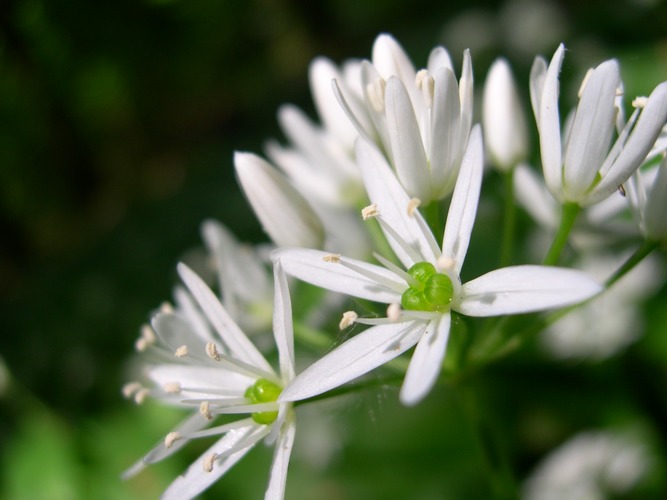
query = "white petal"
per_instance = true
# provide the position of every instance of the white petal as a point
(236, 341)
(538, 73)
(521, 289)
(466, 96)
(391, 60)
(392, 201)
(426, 361)
(446, 147)
(282, 322)
(196, 479)
(534, 197)
(354, 358)
(439, 58)
(549, 124)
(590, 136)
(463, 207)
(215, 378)
(175, 330)
(281, 456)
(310, 266)
(285, 215)
(655, 212)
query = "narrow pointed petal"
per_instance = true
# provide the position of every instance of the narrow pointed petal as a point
(391, 60)
(655, 212)
(592, 129)
(282, 322)
(533, 195)
(407, 148)
(538, 73)
(310, 266)
(649, 125)
(236, 341)
(549, 124)
(445, 146)
(392, 201)
(522, 289)
(466, 96)
(217, 378)
(354, 358)
(463, 207)
(196, 479)
(281, 456)
(285, 215)
(426, 361)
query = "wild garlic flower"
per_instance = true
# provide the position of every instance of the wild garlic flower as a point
(505, 128)
(422, 296)
(647, 192)
(591, 465)
(421, 120)
(215, 372)
(582, 164)
(285, 214)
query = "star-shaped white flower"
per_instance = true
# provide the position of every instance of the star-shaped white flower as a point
(218, 371)
(430, 288)
(582, 164)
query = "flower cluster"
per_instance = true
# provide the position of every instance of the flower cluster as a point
(355, 206)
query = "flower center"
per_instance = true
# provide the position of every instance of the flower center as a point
(428, 291)
(264, 391)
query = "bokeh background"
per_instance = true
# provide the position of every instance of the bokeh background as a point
(118, 122)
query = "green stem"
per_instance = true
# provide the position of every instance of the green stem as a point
(433, 215)
(646, 248)
(568, 216)
(509, 220)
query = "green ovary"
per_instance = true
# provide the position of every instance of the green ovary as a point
(429, 290)
(263, 391)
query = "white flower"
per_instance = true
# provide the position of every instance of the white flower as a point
(581, 165)
(218, 371)
(285, 215)
(647, 192)
(505, 129)
(590, 466)
(422, 120)
(427, 291)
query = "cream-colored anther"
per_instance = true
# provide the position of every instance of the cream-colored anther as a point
(639, 102)
(394, 312)
(209, 461)
(171, 438)
(375, 92)
(444, 263)
(413, 205)
(141, 395)
(146, 339)
(166, 308)
(349, 317)
(587, 76)
(172, 387)
(205, 410)
(131, 388)
(332, 257)
(181, 351)
(619, 92)
(212, 351)
(141, 345)
(370, 211)
(426, 83)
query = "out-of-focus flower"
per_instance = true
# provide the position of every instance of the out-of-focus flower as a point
(581, 163)
(505, 129)
(284, 213)
(647, 192)
(610, 321)
(422, 296)
(590, 466)
(421, 120)
(218, 371)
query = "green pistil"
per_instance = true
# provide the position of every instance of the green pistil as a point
(429, 290)
(264, 391)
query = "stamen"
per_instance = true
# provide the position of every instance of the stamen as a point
(141, 395)
(172, 387)
(349, 317)
(181, 351)
(426, 83)
(413, 204)
(146, 339)
(584, 82)
(166, 307)
(619, 92)
(130, 389)
(141, 345)
(409, 279)
(212, 351)
(332, 257)
(171, 438)
(639, 102)
(394, 312)
(376, 91)
(444, 263)
(209, 461)
(370, 211)
(205, 410)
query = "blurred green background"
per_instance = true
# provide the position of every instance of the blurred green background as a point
(118, 121)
